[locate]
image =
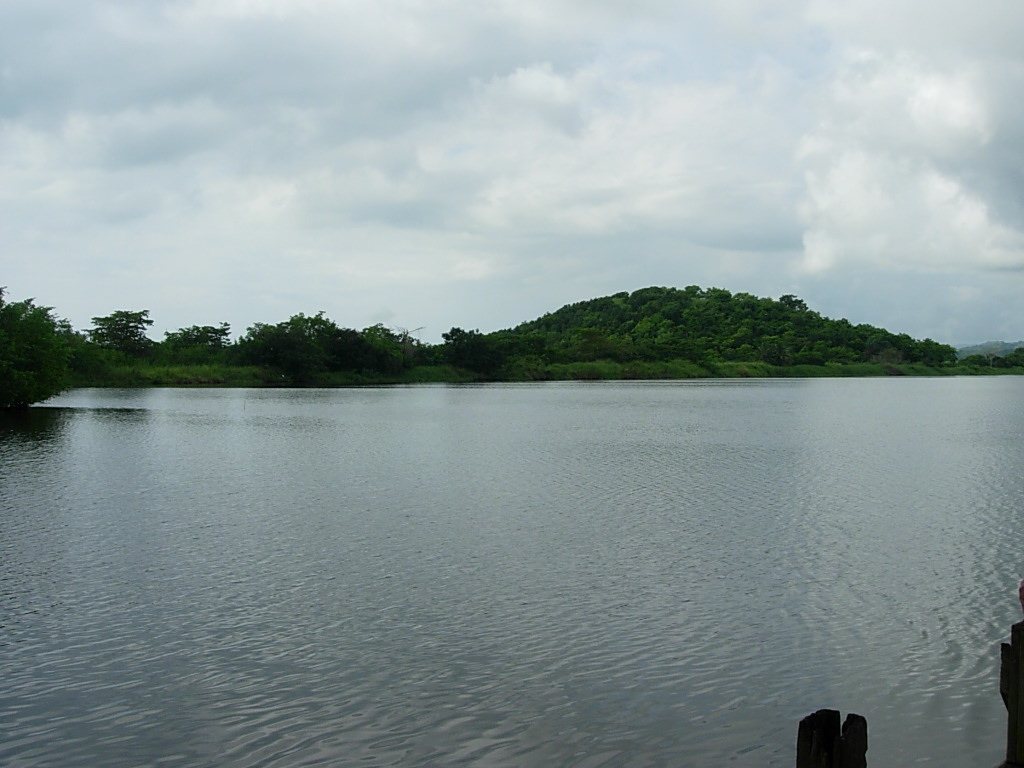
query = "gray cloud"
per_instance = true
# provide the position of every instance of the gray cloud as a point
(460, 163)
(915, 160)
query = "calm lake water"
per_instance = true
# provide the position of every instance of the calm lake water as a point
(606, 574)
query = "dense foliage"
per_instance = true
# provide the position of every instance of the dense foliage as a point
(715, 325)
(991, 349)
(34, 353)
(123, 332)
(650, 333)
(303, 349)
(1014, 359)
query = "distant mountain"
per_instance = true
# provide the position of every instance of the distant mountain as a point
(989, 348)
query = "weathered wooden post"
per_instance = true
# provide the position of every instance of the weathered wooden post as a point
(1011, 686)
(821, 744)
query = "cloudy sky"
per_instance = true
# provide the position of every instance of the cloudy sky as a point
(476, 163)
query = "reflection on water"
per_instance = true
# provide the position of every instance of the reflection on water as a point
(574, 575)
(22, 427)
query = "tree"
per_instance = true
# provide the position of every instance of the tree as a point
(34, 353)
(1016, 358)
(792, 302)
(298, 348)
(935, 354)
(199, 336)
(474, 351)
(123, 331)
(387, 348)
(196, 344)
(977, 360)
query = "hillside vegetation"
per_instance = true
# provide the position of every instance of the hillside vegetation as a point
(991, 349)
(652, 333)
(714, 325)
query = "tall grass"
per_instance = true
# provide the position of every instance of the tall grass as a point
(178, 376)
(145, 375)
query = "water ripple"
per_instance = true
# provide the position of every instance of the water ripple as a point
(606, 575)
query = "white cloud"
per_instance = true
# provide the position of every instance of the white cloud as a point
(596, 151)
(890, 169)
(939, 29)
(245, 159)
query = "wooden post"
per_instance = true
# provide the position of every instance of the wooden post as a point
(1011, 687)
(821, 744)
(855, 742)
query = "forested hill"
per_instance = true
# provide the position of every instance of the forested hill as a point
(713, 324)
(653, 333)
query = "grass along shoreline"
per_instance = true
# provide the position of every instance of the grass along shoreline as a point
(142, 375)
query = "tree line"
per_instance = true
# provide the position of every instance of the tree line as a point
(1014, 359)
(650, 333)
(297, 351)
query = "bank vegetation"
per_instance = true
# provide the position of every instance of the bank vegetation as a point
(653, 333)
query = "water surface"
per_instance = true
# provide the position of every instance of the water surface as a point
(607, 574)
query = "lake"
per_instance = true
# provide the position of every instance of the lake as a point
(570, 574)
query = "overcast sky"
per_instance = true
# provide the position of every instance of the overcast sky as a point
(477, 163)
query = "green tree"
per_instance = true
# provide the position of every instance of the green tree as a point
(775, 351)
(199, 336)
(299, 348)
(90, 364)
(347, 350)
(591, 344)
(701, 325)
(933, 353)
(485, 354)
(196, 344)
(123, 331)
(34, 353)
(977, 360)
(1016, 358)
(792, 302)
(387, 348)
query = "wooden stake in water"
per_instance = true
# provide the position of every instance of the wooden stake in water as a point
(821, 744)
(1011, 686)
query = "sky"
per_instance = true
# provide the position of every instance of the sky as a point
(478, 163)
